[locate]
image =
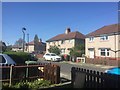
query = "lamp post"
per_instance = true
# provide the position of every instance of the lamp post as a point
(28, 41)
(23, 29)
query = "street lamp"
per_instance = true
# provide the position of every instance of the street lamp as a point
(28, 41)
(23, 29)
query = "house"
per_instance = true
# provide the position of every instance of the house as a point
(30, 46)
(66, 41)
(104, 42)
(17, 48)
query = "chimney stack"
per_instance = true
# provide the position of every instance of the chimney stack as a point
(67, 31)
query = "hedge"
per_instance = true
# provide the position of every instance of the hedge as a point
(19, 57)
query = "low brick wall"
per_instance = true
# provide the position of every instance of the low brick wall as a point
(103, 61)
(39, 56)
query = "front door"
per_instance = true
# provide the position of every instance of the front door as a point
(91, 53)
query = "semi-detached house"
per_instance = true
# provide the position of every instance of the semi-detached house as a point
(104, 42)
(66, 41)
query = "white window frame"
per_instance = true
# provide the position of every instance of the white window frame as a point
(63, 51)
(103, 37)
(106, 51)
(62, 41)
(91, 39)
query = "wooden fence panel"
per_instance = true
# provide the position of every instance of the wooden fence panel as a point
(94, 79)
(31, 72)
(52, 73)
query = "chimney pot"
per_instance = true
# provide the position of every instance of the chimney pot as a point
(67, 31)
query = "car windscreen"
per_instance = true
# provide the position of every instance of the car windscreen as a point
(53, 54)
(2, 59)
(47, 54)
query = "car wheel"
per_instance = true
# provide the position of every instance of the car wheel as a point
(51, 59)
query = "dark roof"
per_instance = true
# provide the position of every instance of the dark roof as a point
(16, 46)
(32, 43)
(70, 35)
(105, 30)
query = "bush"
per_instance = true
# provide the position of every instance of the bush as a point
(62, 57)
(37, 84)
(67, 58)
(19, 57)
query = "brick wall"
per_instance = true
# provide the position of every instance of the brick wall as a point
(104, 61)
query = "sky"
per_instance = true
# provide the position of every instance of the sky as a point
(48, 19)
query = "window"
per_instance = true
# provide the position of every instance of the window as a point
(2, 59)
(104, 52)
(105, 37)
(47, 54)
(91, 39)
(63, 41)
(70, 41)
(53, 54)
(63, 51)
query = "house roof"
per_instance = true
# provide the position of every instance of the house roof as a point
(105, 30)
(70, 35)
(32, 43)
(16, 46)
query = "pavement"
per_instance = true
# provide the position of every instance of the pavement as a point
(66, 73)
(88, 64)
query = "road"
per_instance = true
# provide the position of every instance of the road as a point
(65, 67)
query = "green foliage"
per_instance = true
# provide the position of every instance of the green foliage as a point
(36, 43)
(78, 50)
(19, 57)
(67, 58)
(9, 48)
(54, 49)
(2, 46)
(37, 84)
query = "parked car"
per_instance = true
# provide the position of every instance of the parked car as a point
(52, 57)
(115, 70)
(5, 59)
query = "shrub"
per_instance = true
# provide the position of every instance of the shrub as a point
(67, 58)
(37, 84)
(19, 57)
(62, 57)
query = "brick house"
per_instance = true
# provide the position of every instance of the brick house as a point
(66, 41)
(104, 42)
(30, 46)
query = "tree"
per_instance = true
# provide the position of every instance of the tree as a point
(36, 43)
(2, 46)
(9, 48)
(77, 51)
(54, 49)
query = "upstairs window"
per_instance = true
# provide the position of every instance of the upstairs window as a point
(104, 37)
(91, 39)
(63, 41)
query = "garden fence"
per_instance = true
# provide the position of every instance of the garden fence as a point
(18, 73)
(84, 78)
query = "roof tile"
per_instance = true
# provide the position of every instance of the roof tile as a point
(105, 30)
(70, 35)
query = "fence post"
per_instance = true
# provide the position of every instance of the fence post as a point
(58, 74)
(27, 72)
(72, 76)
(11, 69)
